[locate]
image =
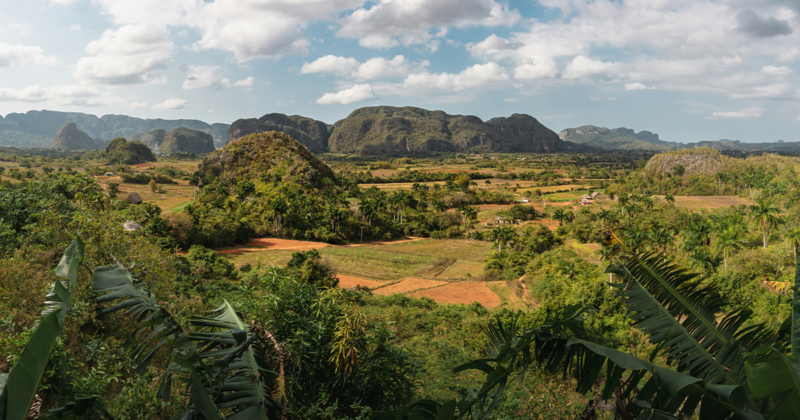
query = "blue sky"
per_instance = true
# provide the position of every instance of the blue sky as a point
(687, 70)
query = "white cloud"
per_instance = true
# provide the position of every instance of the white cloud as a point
(536, 69)
(638, 86)
(23, 28)
(13, 55)
(248, 82)
(170, 104)
(34, 93)
(357, 93)
(582, 66)
(75, 27)
(472, 77)
(511, 100)
(204, 76)
(374, 68)
(378, 42)
(132, 54)
(331, 64)
(684, 45)
(777, 71)
(743, 113)
(138, 105)
(412, 20)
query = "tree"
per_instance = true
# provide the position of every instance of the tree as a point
(669, 198)
(719, 363)
(727, 242)
(604, 216)
(503, 236)
(794, 238)
(152, 185)
(662, 238)
(766, 216)
(562, 215)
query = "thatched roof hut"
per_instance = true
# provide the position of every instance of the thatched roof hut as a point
(134, 198)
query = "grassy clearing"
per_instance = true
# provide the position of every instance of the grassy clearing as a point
(462, 270)
(383, 263)
(507, 292)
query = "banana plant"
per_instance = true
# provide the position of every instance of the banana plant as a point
(223, 363)
(719, 368)
(20, 385)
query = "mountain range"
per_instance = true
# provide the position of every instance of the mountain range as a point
(627, 139)
(37, 128)
(378, 130)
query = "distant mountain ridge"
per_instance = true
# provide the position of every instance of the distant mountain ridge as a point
(37, 128)
(386, 130)
(627, 139)
(70, 137)
(616, 138)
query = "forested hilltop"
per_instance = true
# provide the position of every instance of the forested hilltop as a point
(263, 281)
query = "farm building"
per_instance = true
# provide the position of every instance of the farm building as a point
(597, 196)
(134, 198)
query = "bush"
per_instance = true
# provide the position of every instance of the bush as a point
(207, 263)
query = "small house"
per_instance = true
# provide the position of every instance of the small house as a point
(586, 197)
(585, 202)
(597, 196)
(108, 174)
(498, 220)
(525, 200)
(134, 198)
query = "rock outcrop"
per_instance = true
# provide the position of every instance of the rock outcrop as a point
(181, 140)
(616, 138)
(408, 130)
(310, 133)
(69, 137)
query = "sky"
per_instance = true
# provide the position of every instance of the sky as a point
(688, 70)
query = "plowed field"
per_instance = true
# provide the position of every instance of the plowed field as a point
(348, 282)
(465, 292)
(408, 285)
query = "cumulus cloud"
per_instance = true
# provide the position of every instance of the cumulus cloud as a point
(743, 113)
(582, 66)
(172, 103)
(413, 20)
(138, 105)
(378, 42)
(75, 27)
(374, 68)
(357, 93)
(475, 76)
(248, 82)
(637, 86)
(777, 71)
(750, 23)
(132, 54)
(247, 29)
(210, 77)
(13, 55)
(331, 64)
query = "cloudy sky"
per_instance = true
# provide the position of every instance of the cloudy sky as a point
(688, 70)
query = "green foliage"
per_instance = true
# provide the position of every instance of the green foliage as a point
(207, 263)
(128, 152)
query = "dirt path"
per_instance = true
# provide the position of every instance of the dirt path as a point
(273, 244)
(524, 287)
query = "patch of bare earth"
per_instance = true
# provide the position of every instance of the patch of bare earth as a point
(409, 285)
(349, 282)
(263, 244)
(463, 292)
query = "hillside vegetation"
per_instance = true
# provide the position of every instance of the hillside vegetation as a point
(69, 137)
(309, 132)
(390, 130)
(181, 140)
(616, 138)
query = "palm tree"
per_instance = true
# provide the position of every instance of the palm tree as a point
(503, 236)
(766, 215)
(562, 215)
(727, 242)
(662, 238)
(604, 216)
(794, 238)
